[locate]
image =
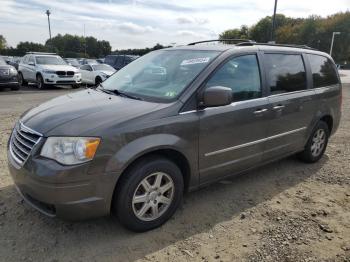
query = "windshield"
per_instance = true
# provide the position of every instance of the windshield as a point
(73, 62)
(49, 60)
(160, 75)
(102, 67)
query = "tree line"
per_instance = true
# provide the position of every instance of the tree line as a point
(71, 46)
(314, 31)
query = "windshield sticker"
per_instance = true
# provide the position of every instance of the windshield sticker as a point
(170, 93)
(201, 60)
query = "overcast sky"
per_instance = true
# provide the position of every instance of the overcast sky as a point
(142, 23)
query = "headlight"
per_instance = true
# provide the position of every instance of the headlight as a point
(13, 71)
(70, 150)
(49, 72)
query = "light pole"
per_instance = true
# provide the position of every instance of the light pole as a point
(334, 33)
(48, 13)
(273, 23)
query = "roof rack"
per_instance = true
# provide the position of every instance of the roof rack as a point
(248, 42)
(40, 53)
(223, 40)
(271, 44)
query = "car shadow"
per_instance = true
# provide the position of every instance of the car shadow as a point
(107, 239)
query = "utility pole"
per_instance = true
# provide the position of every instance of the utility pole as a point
(48, 13)
(273, 23)
(334, 33)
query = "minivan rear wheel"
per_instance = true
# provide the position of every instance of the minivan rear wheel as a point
(317, 143)
(148, 194)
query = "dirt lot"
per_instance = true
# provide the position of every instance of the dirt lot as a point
(285, 211)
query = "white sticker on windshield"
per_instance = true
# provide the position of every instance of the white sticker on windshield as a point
(200, 60)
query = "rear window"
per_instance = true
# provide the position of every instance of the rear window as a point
(285, 73)
(323, 71)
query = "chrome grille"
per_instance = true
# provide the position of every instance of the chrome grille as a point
(4, 72)
(23, 140)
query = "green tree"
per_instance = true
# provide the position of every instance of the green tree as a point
(3, 43)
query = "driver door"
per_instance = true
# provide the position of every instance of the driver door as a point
(231, 138)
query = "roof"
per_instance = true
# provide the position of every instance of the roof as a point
(250, 46)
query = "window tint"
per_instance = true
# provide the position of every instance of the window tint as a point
(285, 73)
(323, 71)
(242, 75)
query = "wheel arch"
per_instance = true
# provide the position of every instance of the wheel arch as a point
(170, 153)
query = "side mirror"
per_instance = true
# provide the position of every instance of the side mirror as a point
(217, 96)
(31, 64)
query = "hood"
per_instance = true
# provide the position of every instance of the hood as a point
(91, 106)
(107, 72)
(58, 67)
(6, 67)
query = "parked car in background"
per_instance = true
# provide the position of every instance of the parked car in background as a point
(172, 121)
(72, 61)
(88, 61)
(47, 69)
(100, 60)
(119, 61)
(14, 61)
(94, 74)
(8, 76)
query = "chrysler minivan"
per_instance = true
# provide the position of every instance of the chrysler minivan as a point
(173, 121)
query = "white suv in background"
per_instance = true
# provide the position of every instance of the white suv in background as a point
(47, 69)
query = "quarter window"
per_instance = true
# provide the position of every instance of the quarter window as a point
(323, 71)
(285, 73)
(242, 75)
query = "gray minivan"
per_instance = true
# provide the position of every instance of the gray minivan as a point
(173, 121)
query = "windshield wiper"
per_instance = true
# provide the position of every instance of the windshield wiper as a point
(121, 93)
(117, 92)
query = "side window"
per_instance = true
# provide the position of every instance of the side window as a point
(31, 59)
(285, 73)
(242, 75)
(323, 71)
(25, 60)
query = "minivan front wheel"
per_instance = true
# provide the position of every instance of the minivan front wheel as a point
(317, 143)
(148, 194)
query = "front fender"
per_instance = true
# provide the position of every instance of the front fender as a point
(143, 145)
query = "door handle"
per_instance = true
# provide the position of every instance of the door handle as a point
(278, 107)
(259, 111)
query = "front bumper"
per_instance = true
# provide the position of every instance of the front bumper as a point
(66, 192)
(54, 79)
(11, 80)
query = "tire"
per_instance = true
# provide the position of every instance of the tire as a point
(40, 82)
(317, 144)
(98, 81)
(15, 88)
(21, 80)
(130, 191)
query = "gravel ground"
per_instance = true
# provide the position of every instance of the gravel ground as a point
(285, 211)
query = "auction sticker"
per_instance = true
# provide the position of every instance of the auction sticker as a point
(200, 60)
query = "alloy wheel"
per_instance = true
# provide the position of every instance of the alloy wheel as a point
(318, 142)
(153, 196)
